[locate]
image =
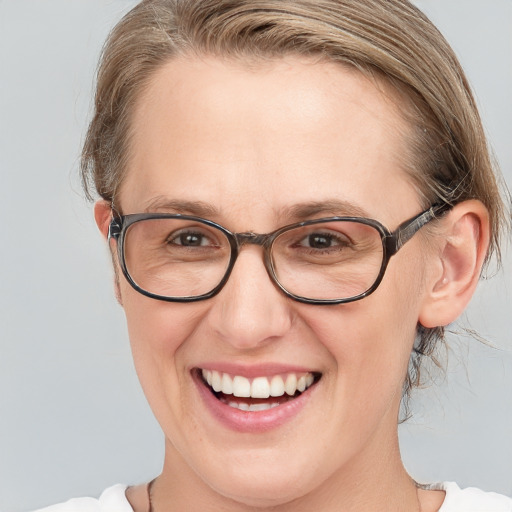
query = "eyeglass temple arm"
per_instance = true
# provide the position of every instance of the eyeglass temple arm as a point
(406, 230)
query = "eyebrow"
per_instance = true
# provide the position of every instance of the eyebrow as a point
(167, 205)
(331, 207)
(296, 212)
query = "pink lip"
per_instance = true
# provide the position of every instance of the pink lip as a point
(256, 421)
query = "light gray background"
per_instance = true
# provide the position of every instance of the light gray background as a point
(72, 417)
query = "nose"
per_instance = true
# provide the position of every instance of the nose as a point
(250, 311)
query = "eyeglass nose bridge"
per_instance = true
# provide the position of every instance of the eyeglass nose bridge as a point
(263, 240)
(251, 238)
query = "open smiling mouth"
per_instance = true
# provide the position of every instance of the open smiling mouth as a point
(260, 393)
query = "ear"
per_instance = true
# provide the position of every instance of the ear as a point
(103, 216)
(463, 236)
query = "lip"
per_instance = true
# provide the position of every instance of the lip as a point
(253, 421)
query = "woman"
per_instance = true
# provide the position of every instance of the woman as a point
(297, 196)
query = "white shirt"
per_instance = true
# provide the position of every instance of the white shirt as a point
(471, 499)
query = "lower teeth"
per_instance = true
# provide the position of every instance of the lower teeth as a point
(243, 406)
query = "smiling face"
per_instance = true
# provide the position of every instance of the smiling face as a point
(254, 149)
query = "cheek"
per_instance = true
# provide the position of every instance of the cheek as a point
(158, 331)
(371, 340)
(157, 327)
(395, 308)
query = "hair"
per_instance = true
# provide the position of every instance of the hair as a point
(390, 41)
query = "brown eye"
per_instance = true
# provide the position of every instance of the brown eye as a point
(320, 241)
(323, 241)
(190, 240)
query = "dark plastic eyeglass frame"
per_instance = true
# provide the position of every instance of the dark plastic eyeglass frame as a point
(392, 242)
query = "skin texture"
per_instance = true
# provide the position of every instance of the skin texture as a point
(251, 144)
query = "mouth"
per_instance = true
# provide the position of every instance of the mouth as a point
(260, 393)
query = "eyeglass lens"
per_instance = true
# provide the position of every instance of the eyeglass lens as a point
(185, 258)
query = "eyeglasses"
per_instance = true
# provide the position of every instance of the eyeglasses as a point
(181, 258)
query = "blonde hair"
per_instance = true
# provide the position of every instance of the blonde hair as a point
(449, 160)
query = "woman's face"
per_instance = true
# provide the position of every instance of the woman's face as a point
(253, 149)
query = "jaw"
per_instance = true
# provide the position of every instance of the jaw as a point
(273, 475)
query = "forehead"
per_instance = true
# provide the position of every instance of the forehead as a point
(278, 133)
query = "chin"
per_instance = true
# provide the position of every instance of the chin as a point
(268, 477)
(262, 490)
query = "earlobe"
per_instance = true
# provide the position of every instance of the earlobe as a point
(103, 215)
(463, 243)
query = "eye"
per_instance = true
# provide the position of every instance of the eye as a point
(192, 238)
(189, 240)
(324, 240)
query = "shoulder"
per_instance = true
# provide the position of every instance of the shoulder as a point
(472, 499)
(112, 499)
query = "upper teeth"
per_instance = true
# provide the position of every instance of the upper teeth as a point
(260, 387)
